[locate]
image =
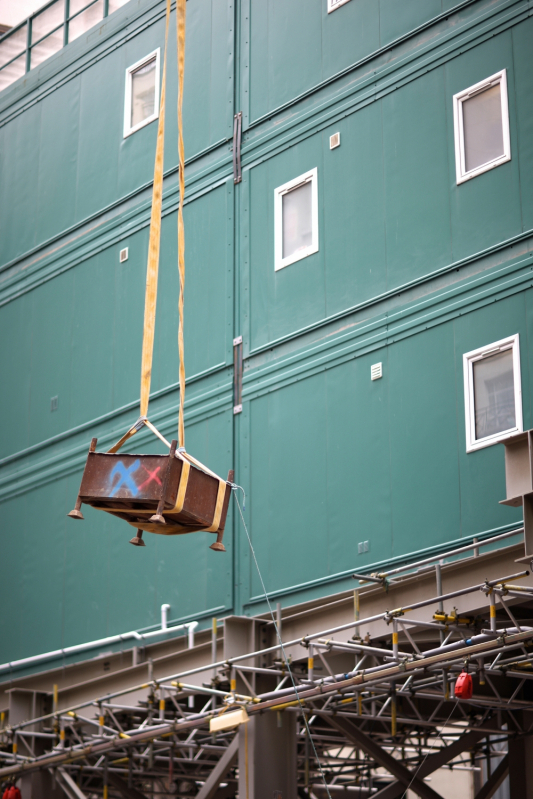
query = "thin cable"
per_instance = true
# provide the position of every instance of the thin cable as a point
(404, 794)
(307, 728)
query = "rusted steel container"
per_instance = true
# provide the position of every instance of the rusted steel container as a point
(163, 494)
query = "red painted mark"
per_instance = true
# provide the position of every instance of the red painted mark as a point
(151, 476)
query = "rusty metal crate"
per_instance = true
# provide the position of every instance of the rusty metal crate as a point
(162, 494)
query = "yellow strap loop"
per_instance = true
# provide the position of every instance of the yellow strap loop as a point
(155, 228)
(154, 243)
(180, 30)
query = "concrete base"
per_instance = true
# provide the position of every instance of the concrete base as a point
(521, 768)
(267, 756)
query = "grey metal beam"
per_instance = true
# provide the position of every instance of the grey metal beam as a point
(393, 766)
(123, 787)
(226, 762)
(495, 780)
(437, 760)
(68, 786)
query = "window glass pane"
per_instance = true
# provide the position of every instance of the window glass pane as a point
(47, 20)
(13, 71)
(297, 219)
(46, 48)
(494, 399)
(143, 93)
(483, 131)
(114, 4)
(85, 20)
(14, 44)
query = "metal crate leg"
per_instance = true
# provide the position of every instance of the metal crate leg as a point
(138, 540)
(76, 513)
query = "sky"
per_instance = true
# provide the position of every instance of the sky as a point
(14, 11)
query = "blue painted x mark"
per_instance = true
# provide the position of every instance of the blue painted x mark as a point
(125, 477)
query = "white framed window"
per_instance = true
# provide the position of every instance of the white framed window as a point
(333, 4)
(296, 219)
(141, 103)
(481, 127)
(493, 393)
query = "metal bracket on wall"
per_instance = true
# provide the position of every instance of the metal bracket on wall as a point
(237, 135)
(237, 375)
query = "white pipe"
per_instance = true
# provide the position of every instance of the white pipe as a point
(164, 612)
(112, 639)
(192, 625)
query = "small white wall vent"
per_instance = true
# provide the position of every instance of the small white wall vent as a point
(334, 141)
(124, 255)
(362, 547)
(376, 371)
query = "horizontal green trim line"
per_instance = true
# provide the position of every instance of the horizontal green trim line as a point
(419, 281)
(108, 416)
(79, 657)
(382, 565)
(277, 138)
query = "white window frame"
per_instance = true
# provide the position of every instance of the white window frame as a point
(128, 129)
(469, 358)
(308, 177)
(460, 170)
(333, 5)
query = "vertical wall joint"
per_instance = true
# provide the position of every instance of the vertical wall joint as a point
(237, 136)
(237, 374)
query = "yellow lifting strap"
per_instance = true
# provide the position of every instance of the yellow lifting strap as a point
(155, 228)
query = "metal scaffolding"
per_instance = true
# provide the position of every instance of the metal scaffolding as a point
(382, 716)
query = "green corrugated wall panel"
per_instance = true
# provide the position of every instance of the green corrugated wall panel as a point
(55, 181)
(37, 577)
(288, 61)
(289, 527)
(417, 206)
(208, 92)
(91, 359)
(353, 229)
(397, 17)
(523, 88)
(295, 46)
(358, 462)
(486, 209)
(15, 356)
(101, 121)
(348, 34)
(52, 314)
(128, 316)
(423, 439)
(18, 186)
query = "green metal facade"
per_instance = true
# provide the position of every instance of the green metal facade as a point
(412, 270)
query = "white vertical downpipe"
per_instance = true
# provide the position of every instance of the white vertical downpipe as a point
(164, 616)
(191, 627)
